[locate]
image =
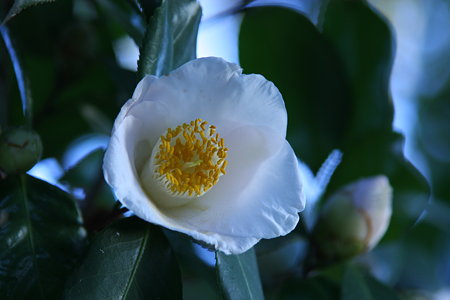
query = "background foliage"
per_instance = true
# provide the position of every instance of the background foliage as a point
(60, 76)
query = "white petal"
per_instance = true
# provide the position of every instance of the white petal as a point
(121, 174)
(267, 207)
(143, 86)
(216, 91)
(373, 196)
(226, 244)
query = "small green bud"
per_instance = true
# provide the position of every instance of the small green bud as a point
(20, 150)
(353, 220)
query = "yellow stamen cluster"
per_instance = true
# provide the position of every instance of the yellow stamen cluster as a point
(190, 159)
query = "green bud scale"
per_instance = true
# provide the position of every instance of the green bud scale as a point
(20, 150)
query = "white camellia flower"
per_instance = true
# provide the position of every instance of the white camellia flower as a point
(203, 151)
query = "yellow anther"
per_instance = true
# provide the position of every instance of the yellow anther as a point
(186, 136)
(225, 163)
(190, 160)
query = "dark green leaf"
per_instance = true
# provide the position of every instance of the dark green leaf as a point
(41, 237)
(85, 172)
(149, 6)
(239, 276)
(72, 65)
(315, 288)
(20, 5)
(364, 43)
(76, 111)
(171, 37)
(198, 277)
(320, 8)
(97, 120)
(288, 49)
(356, 286)
(336, 88)
(127, 17)
(130, 259)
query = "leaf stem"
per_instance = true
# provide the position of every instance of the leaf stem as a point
(20, 77)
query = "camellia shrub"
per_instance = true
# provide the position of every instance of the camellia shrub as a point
(276, 177)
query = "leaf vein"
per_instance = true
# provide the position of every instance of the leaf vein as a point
(136, 264)
(30, 234)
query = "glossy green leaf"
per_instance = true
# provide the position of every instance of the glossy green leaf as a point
(336, 88)
(287, 49)
(357, 285)
(126, 16)
(199, 278)
(20, 5)
(171, 37)
(239, 276)
(130, 259)
(149, 6)
(365, 46)
(41, 237)
(335, 84)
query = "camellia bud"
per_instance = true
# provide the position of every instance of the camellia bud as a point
(353, 220)
(20, 150)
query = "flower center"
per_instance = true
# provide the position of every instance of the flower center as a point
(189, 159)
